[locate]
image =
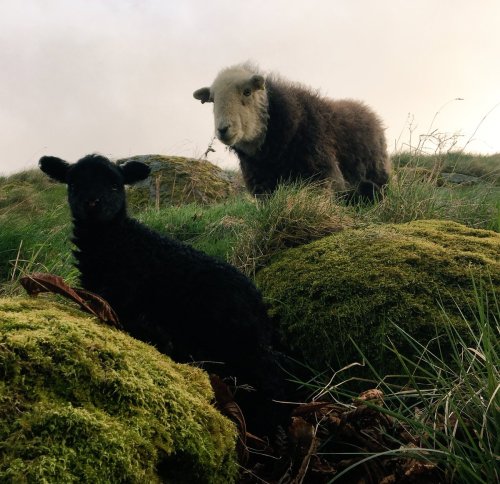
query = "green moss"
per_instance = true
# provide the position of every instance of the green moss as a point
(179, 180)
(351, 284)
(81, 402)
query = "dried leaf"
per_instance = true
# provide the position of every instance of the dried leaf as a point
(322, 467)
(391, 479)
(303, 438)
(417, 469)
(89, 302)
(99, 307)
(307, 409)
(301, 433)
(222, 392)
(224, 402)
(373, 395)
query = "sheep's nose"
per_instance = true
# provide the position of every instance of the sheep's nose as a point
(93, 203)
(223, 130)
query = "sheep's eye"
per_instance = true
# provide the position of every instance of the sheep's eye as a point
(115, 188)
(247, 92)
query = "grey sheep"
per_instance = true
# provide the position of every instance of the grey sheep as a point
(283, 131)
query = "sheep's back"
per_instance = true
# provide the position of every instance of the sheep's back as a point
(159, 285)
(312, 137)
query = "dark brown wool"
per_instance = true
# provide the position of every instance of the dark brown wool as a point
(314, 138)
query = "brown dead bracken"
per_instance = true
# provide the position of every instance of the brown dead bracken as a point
(89, 302)
(327, 439)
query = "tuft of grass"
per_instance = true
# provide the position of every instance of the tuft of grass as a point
(450, 402)
(415, 192)
(27, 193)
(32, 242)
(34, 221)
(295, 214)
(485, 167)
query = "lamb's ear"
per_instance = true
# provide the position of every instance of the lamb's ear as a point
(258, 82)
(202, 95)
(135, 171)
(56, 168)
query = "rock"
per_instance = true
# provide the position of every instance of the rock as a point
(353, 283)
(458, 179)
(177, 180)
(81, 402)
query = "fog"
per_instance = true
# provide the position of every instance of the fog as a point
(116, 77)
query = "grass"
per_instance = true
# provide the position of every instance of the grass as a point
(213, 229)
(454, 412)
(485, 167)
(36, 225)
(28, 192)
(294, 215)
(414, 193)
(450, 403)
(35, 239)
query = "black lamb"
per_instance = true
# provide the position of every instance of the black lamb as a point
(192, 307)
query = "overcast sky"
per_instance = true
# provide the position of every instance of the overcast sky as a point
(117, 76)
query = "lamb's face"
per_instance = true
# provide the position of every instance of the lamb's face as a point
(240, 106)
(96, 191)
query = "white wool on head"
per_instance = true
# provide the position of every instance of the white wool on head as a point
(240, 107)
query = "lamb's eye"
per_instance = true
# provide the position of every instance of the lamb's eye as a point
(247, 92)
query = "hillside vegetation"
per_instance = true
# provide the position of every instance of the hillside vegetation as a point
(405, 291)
(36, 225)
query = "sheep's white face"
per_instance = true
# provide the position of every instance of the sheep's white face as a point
(240, 108)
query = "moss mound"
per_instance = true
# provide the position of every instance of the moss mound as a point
(81, 402)
(28, 192)
(351, 284)
(176, 180)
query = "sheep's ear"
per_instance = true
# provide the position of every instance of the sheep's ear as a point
(56, 168)
(202, 95)
(257, 81)
(135, 171)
